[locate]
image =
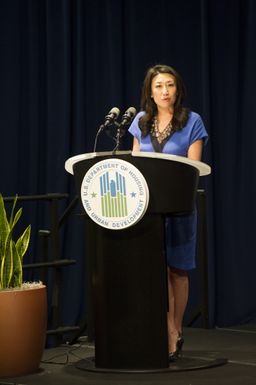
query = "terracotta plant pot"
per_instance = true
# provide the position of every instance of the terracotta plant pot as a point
(23, 322)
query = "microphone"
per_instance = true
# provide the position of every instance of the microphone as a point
(109, 119)
(111, 116)
(128, 116)
(126, 119)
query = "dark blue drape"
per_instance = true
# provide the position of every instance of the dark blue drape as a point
(65, 63)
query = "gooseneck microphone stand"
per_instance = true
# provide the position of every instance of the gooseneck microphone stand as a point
(119, 133)
(97, 135)
(116, 138)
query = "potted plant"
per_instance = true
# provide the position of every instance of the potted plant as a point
(23, 306)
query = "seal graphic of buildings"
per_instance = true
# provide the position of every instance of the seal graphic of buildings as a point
(113, 195)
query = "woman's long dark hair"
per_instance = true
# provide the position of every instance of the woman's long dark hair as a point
(180, 114)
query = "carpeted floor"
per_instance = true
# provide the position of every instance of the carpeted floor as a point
(211, 356)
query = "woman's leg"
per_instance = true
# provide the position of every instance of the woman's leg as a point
(178, 289)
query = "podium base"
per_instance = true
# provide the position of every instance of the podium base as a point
(186, 363)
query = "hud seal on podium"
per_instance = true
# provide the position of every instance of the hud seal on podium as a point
(114, 194)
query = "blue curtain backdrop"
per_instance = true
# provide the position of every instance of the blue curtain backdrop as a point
(65, 63)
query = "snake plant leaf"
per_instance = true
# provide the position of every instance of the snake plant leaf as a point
(12, 211)
(7, 263)
(4, 227)
(16, 218)
(16, 278)
(23, 242)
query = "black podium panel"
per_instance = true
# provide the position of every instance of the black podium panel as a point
(129, 295)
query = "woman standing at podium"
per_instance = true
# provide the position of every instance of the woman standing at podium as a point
(164, 125)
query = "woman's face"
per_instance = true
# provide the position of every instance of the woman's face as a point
(164, 90)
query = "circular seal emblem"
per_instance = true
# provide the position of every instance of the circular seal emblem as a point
(114, 194)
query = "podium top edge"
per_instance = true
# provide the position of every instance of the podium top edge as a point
(203, 168)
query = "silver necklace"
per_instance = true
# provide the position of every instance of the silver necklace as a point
(160, 136)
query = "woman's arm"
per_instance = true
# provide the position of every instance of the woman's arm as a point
(136, 145)
(195, 150)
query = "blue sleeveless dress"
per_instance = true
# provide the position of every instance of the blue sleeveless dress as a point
(180, 230)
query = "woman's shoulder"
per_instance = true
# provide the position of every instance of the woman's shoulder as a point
(137, 117)
(139, 114)
(194, 116)
(195, 126)
(134, 127)
(194, 120)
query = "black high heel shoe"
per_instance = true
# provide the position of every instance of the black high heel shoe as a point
(174, 356)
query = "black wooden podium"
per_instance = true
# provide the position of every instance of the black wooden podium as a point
(128, 266)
